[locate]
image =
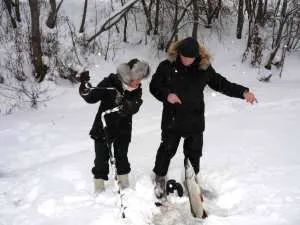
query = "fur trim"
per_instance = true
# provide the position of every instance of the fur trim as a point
(204, 55)
(139, 71)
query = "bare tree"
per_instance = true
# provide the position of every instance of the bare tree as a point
(8, 5)
(148, 16)
(240, 22)
(36, 48)
(212, 10)
(113, 20)
(156, 20)
(277, 41)
(293, 31)
(256, 12)
(282, 18)
(260, 17)
(151, 3)
(81, 30)
(17, 10)
(175, 21)
(125, 24)
(250, 9)
(176, 24)
(52, 17)
(196, 18)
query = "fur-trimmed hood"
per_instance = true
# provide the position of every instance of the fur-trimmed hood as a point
(204, 55)
(139, 71)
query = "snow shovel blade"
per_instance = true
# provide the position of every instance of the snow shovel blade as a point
(194, 191)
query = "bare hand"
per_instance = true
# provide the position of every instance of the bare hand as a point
(249, 97)
(173, 98)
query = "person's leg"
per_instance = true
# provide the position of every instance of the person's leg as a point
(166, 151)
(120, 152)
(192, 149)
(101, 166)
(121, 145)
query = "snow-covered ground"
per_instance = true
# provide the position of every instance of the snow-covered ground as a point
(250, 169)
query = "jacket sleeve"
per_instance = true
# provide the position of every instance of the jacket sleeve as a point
(94, 95)
(222, 85)
(158, 84)
(132, 102)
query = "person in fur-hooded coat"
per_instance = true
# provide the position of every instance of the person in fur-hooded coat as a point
(178, 83)
(121, 89)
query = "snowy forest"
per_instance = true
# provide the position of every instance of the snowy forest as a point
(40, 42)
(250, 167)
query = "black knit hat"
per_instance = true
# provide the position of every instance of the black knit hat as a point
(188, 47)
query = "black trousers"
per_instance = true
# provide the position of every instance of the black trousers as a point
(192, 149)
(101, 162)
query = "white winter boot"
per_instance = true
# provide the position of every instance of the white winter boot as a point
(99, 185)
(123, 181)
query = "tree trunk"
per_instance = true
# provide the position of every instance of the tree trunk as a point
(156, 21)
(293, 44)
(52, 15)
(257, 46)
(175, 23)
(17, 10)
(240, 22)
(196, 18)
(279, 33)
(51, 20)
(250, 6)
(9, 10)
(209, 13)
(125, 24)
(274, 23)
(212, 10)
(150, 27)
(282, 22)
(271, 57)
(81, 30)
(265, 8)
(217, 9)
(175, 31)
(39, 72)
(260, 16)
(150, 7)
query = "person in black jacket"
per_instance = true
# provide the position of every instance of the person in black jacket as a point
(122, 89)
(178, 83)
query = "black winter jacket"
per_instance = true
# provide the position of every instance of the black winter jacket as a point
(188, 83)
(119, 124)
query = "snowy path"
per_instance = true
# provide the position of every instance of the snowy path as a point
(250, 168)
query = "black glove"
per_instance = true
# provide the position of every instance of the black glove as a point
(130, 107)
(84, 76)
(84, 88)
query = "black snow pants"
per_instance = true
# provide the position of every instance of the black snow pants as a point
(192, 149)
(120, 147)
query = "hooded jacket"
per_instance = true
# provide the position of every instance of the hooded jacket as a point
(119, 124)
(188, 83)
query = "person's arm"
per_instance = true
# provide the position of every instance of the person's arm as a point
(222, 85)
(158, 84)
(95, 94)
(131, 102)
